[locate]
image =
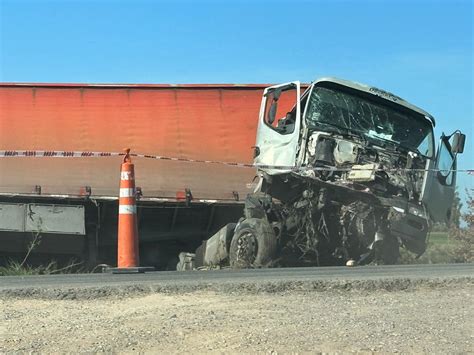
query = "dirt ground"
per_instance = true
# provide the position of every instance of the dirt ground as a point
(423, 320)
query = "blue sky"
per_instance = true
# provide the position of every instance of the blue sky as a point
(419, 50)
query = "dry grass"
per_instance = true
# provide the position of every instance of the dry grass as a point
(15, 268)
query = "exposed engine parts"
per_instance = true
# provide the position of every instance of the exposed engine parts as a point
(345, 152)
(384, 170)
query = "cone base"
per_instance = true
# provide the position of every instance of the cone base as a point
(129, 270)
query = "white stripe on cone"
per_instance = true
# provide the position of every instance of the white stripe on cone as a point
(127, 209)
(126, 175)
(126, 192)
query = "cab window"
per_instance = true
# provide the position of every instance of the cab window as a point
(280, 110)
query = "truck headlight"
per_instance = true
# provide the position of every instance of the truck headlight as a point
(417, 212)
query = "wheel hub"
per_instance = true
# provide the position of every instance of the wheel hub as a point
(247, 247)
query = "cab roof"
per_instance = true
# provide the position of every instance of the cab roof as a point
(376, 92)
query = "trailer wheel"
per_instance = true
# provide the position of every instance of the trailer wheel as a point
(253, 245)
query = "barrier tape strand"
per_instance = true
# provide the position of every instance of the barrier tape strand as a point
(91, 154)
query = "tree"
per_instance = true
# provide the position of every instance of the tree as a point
(455, 220)
(464, 237)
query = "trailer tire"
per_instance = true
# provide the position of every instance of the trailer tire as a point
(253, 245)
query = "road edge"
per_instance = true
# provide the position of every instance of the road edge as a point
(233, 287)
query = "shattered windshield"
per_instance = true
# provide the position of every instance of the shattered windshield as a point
(329, 109)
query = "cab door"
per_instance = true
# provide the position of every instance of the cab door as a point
(278, 127)
(439, 190)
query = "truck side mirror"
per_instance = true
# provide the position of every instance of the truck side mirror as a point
(457, 145)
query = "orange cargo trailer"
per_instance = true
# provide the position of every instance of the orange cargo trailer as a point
(204, 122)
(72, 201)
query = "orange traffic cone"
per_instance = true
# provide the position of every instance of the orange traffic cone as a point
(128, 254)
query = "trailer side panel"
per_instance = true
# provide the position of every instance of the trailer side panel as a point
(216, 122)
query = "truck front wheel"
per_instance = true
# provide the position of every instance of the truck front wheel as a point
(253, 245)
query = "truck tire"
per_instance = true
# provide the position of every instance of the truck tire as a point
(253, 245)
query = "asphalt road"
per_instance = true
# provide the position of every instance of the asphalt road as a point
(255, 277)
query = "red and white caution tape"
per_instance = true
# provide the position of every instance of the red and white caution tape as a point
(55, 154)
(90, 154)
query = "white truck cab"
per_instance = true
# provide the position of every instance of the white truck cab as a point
(365, 157)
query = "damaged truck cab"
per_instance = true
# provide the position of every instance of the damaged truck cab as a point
(347, 173)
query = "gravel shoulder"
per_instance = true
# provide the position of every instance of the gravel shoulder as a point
(424, 319)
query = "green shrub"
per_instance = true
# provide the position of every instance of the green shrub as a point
(434, 254)
(464, 237)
